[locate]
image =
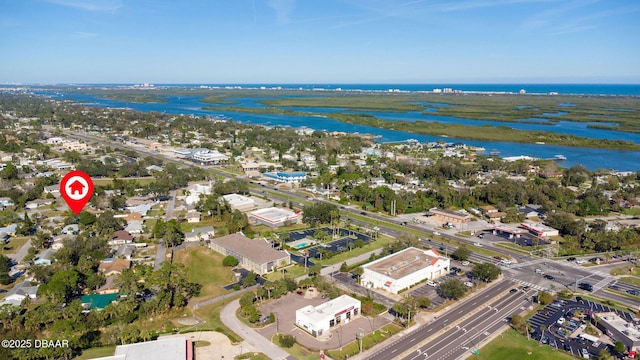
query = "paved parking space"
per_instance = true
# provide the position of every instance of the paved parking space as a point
(285, 311)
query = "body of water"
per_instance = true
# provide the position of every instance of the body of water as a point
(588, 157)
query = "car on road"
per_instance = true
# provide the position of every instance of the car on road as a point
(614, 287)
(586, 286)
(363, 213)
(633, 292)
(436, 233)
(477, 244)
(513, 290)
(538, 271)
(571, 259)
(549, 277)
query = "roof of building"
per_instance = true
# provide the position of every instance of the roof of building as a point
(200, 230)
(237, 200)
(122, 235)
(274, 214)
(116, 265)
(99, 301)
(405, 262)
(257, 250)
(628, 329)
(173, 348)
(329, 309)
(24, 289)
(456, 214)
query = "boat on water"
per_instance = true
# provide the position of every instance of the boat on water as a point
(559, 157)
(477, 148)
(494, 153)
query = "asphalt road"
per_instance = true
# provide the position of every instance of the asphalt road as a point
(443, 323)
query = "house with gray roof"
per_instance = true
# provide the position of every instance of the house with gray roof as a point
(20, 292)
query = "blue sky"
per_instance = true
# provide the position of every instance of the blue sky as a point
(319, 41)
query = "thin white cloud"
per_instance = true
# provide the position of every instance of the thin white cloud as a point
(89, 5)
(283, 9)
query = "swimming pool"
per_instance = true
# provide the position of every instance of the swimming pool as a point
(301, 245)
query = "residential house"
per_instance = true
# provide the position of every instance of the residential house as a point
(45, 258)
(20, 292)
(111, 266)
(120, 237)
(6, 202)
(39, 203)
(71, 229)
(198, 234)
(193, 216)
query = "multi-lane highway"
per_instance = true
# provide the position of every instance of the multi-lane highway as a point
(467, 315)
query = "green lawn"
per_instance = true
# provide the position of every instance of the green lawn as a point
(513, 346)
(204, 267)
(15, 243)
(368, 341)
(625, 270)
(98, 352)
(631, 280)
(142, 181)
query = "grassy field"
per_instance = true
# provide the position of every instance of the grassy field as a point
(625, 270)
(631, 280)
(205, 267)
(513, 346)
(252, 356)
(96, 353)
(142, 181)
(368, 341)
(14, 245)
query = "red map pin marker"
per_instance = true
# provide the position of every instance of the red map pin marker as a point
(76, 188)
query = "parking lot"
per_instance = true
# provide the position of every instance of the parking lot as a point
(285, 308)
(558, 326)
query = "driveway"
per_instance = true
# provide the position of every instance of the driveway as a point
(250, 336)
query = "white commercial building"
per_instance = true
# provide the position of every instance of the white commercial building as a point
(320, 319)
(239, 202)
(403, 269)
(274, 217)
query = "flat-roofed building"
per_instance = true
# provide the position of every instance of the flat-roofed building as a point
(255, 255)
(170, 348)
(540, 230)
(620, 329)
(239, 202)
(289, 177)
(274, 217)
(448, 216)
(403, 269)
(210, 158)
(320, 319)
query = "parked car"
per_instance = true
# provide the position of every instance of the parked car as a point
(538, 271)
(465, 263)
(560, 321)
(468, 284)
(480, 236)
(431, 283)
(571, 259)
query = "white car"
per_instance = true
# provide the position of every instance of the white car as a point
(477, 244)
(465, 263)
(561, 321)
(469, 284)
(436, 233)
(431, 283)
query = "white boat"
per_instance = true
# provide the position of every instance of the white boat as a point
(559, 157)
